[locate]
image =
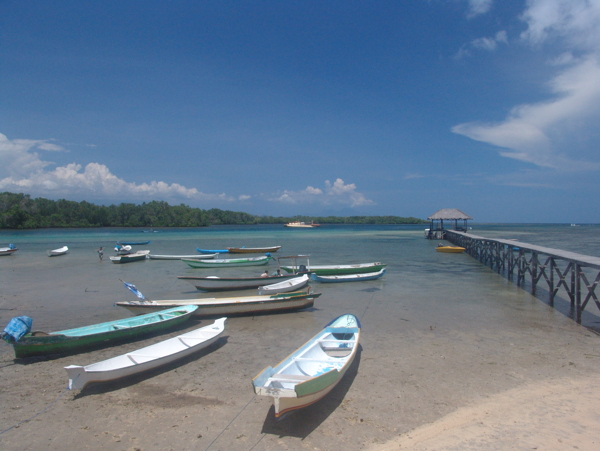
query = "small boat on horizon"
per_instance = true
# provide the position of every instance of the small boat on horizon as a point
(301, 225)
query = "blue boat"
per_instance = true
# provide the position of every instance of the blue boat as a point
(132, 243)
(209, 251)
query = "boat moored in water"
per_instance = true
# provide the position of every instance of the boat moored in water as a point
(349, 277)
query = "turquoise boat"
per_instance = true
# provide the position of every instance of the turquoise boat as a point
(87, 337)
(227, 262)
(312, 371)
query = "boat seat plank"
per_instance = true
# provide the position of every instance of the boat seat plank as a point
(290, 377)
(141, 358)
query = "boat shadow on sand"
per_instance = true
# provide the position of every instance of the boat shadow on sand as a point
(302, 422)
(97, 388)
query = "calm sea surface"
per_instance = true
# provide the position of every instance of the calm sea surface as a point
(71, 288)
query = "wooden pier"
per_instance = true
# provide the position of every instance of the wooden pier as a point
(560, 269)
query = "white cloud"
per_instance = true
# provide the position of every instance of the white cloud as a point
(487, 44)
(336, 193)
(534, 133)
(23, 170)
(478, 7)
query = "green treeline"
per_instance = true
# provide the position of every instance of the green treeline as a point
(20, 211)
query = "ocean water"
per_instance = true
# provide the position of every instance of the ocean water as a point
(64, 290)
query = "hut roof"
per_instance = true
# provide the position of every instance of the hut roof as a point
(449, 213)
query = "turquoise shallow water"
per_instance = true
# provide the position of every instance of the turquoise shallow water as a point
(59, 289)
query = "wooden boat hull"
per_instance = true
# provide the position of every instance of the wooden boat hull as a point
(450, 249)
(285, 286)
(56, 252)
(179, 257)
(234, 283)
(252, 250)
(128, 258)
(348, 277)
(312, 371)
(144, 359)
(333, 270)
(84, 338)
(227, 263)
(240, 305)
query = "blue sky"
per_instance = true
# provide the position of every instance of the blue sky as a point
(306, 107)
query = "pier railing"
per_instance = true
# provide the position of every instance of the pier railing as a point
(560, 269)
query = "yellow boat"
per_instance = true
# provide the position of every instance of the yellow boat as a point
(450, 249)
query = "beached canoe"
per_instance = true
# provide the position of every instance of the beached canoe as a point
(313, 370)
(56, 252)
(349, 277)
(227, 262)
(143, 359)
(136, 256)
(285, 286)
(238, 305)
(11, 249)
(214, 283)
(87, 337)
(179, 257)
(252, 250)
(450, 249)
(333, 270)
(211, 251)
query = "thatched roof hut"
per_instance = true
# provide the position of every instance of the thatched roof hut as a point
(446, 214)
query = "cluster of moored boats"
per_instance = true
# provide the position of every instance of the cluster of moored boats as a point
(301, 379)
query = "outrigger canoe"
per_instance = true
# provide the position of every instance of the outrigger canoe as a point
(349, 277)
(332, 270)
(312, 371)
(227, 262)
(238, 305)
(84, 338)
(145, 358)
(214, 283)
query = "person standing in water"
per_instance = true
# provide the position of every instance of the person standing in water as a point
(100, 253)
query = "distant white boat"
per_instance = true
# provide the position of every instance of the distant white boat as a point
(145, 358)
(60, 251)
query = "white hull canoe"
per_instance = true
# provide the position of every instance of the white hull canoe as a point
(145, 358)
(301, 225)
(227, 262)
(334, 270)
(56, 252)
(136, 256)
(238, 305)
(349, 277)
(179, 257)
(214, 283)
(8, 250)
(313, 370)
(284, 286)
(252, 250)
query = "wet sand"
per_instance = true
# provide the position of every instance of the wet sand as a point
(435, 370)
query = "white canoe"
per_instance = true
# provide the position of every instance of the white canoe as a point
(312, 371)
(60, 251)
(349, 277)
(179, 257)
(215, 283)
(284, 286)
(238, 305)
(136, 256)
(8, 250)
(145, 358)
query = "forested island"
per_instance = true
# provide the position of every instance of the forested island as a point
(20, 211)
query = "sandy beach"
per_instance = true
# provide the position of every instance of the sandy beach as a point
(475, 364)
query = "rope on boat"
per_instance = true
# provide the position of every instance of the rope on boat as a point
(37, 414)
(229, 424)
